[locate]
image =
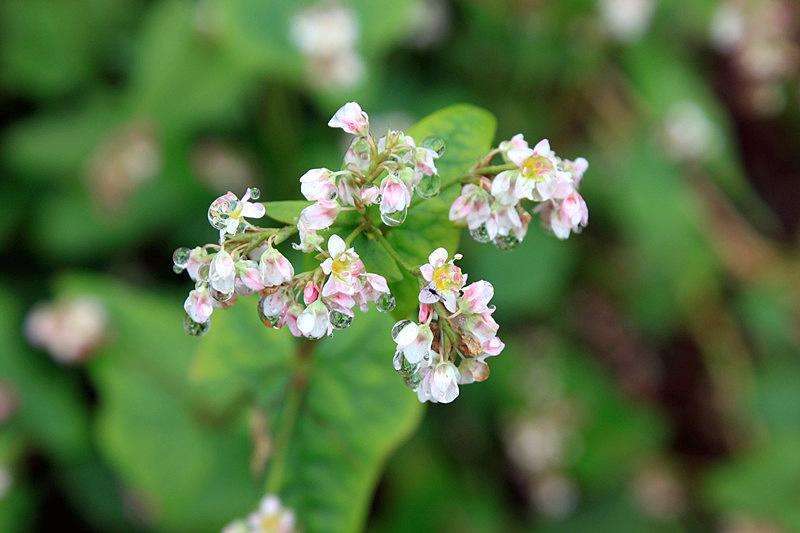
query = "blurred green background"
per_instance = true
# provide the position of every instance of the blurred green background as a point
(651, 380)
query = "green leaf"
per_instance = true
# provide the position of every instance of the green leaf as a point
(376, 259)
(286, 211)
(352, 414)
(468, 132)
(166, 436)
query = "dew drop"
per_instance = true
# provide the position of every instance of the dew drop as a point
(428, 186)
(255, 193)
(437, 144)
(386, 302)
(394, 219)
(340, 320)
(399, 326)
(480, 234)
(180, 257)
(195, 329)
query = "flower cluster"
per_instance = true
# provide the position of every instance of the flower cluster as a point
(454, 335)
(270, 517)
(384, 172)
(69, 330)
(493, 209)
(310, 304)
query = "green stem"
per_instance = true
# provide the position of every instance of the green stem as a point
(294, 400)
(491, 169)
(392, 252)
(353, 234)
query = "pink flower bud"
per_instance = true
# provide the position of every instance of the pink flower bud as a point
(310, 293)
(395, 195)
(319, 215)
(475, 297)
(199, 305)
(351, 119)
(275, 268)
(318, 184)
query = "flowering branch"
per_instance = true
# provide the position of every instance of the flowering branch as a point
(455, 333)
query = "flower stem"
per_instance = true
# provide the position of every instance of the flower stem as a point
(414, 271)
(294, 399)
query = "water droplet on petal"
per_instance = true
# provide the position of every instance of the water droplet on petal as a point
(195, 329)
(399, 326)
(180, 257)
(428, 186)
(437, 144)
(255, 193)
(480, 234)
(177, 269)
(340, 320)
(394, 219)
(386, 302)
(506, 242)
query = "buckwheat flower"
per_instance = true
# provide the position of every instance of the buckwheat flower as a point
(576, 168)
(222, 273)
(517, 142)
(372, 287)
(395, 195)
(319, 215)
(444, 279)
(425, 160)
(472, 206)
(199, 305)
(69, 330)
(444, 382)
(198, 258)
(415, 341)
(227, 213)
(314, 322)
(504, 220)
(565, 217)
(358, 155)
(318, 184)
(537, 177)
(351, 119)
(290, 318)
(275, 305)
(249, 275)
(275, 268)
(475, 298)
(340, 302)
(271, 517)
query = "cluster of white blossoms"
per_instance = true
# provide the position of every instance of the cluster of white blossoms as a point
(384, 172)
(494, 211)
(310, 304)
(454, 335)
(327, 35)
(456, 332)
(270, 517)
(69, 330)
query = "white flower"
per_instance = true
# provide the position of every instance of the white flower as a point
(314, 322)
(395, 195)
(222, 273)
(444, 382)
(197, 258)
(68, 330)
(199, 305)
(351, 119)
(444, 279)
(227, 212)
(415, 341)
(318, 184)
(343, 266)
(319, 215)
(271, 517)
(275, 268)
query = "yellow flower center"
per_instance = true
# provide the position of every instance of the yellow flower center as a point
(536, 166)
(341, 266)
(443, 278)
